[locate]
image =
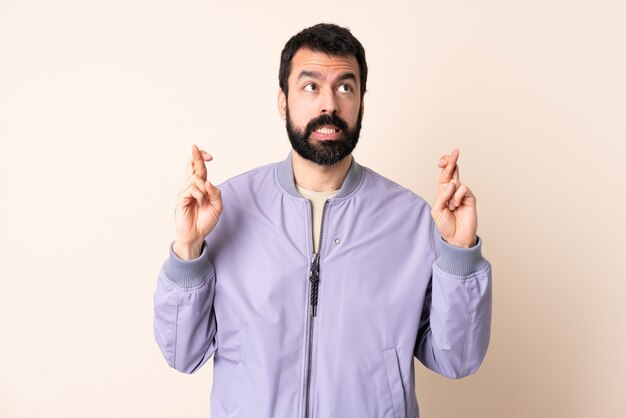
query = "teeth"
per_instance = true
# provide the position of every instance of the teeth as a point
(325, 130)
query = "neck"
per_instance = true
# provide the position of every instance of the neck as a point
(319, 178)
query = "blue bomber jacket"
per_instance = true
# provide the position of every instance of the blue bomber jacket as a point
(334, 334)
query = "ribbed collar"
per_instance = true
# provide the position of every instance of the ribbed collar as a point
(287, 182)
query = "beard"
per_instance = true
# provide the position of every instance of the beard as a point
(324, 152)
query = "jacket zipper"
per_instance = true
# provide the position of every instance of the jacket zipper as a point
(314, 278)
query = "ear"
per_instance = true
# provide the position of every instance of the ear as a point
(282, 104)
(362, 106)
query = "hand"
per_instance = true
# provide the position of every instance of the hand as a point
(454, 210)
(198, 207)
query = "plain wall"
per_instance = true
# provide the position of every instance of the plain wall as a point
(101, 100)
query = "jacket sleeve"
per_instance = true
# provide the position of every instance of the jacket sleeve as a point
(184, 319)
(456, 319)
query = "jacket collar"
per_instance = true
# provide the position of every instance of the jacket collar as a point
(286, 178)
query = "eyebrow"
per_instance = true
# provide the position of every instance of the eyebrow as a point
(311, 74)
(317, 75)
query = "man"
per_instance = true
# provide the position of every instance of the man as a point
(322, 280)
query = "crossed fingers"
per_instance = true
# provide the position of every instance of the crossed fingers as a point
(452, 197)
(197, 185)
(196, 166)
(450, 170)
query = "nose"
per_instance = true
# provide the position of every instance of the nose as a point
(328, 102)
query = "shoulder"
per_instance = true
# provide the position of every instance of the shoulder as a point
(375, 184)
(399, 207)
(259, 179)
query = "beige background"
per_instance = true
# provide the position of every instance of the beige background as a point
(100, 101)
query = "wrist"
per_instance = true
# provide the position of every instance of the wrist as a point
(189, 251)
(462, 244)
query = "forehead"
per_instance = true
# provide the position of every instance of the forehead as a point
(329, 65)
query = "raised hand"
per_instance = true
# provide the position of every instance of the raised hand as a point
(454, 210)
(198, 207)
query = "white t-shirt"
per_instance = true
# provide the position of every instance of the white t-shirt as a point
(317, 200)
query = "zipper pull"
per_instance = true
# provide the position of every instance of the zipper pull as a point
(314, 277)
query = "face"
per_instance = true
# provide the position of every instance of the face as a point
(323, 109)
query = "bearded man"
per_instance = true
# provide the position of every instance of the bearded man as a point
(322, 280)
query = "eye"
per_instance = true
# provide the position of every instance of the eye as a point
(345, 88)
(310, 87)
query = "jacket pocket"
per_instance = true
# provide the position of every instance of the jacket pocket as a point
(393, 383)
(233, 387)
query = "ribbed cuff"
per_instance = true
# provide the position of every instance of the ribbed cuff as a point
(461, 261)
(188, 273)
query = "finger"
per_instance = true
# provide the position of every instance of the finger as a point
(186, 195)
(457, 185)
(215, 195)
(454, 158)
(206, 156)
(459, 195)
(456, 175)
(462, 195)
(190, 195)
(445, 157)
(198, 162)
(194, 179)
(446, 191)
(448, 169)
(195, 152)
(198, 194)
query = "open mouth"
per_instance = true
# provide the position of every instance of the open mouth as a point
(326, 132)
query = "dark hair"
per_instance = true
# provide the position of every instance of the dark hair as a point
(323, 37)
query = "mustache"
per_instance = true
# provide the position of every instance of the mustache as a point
(325, 119)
